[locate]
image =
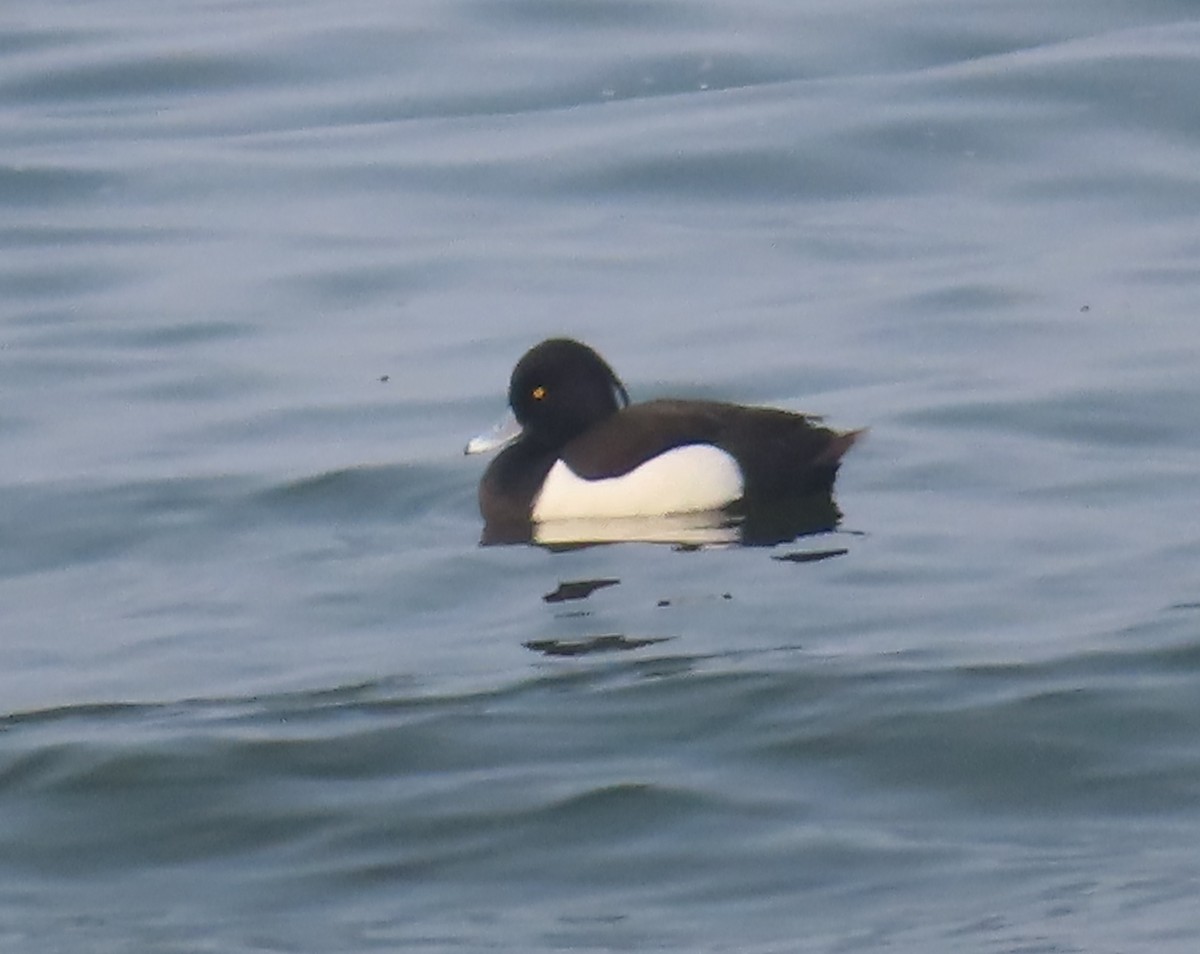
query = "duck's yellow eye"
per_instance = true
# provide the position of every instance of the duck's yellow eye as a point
(539, 392)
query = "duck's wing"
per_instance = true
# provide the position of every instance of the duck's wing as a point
(640, 432)
(783, 454)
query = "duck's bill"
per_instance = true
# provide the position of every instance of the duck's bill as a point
(503, 434)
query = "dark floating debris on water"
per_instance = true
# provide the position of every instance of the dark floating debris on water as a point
(577, 590)
(809, 556)
(595, 644)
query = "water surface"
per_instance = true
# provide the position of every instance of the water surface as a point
(266, 266)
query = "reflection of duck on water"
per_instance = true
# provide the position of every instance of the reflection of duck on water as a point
(588, 466)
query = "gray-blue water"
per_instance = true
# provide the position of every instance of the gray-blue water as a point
(265, 266)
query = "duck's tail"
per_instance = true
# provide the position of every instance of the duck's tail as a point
(839, 444)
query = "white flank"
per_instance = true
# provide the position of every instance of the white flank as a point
(683, 480)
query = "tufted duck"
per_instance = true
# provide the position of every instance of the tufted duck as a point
(584, 452)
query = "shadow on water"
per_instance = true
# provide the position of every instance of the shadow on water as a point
(364, 493)
(759, 527)
(613, 642)
(577, 590)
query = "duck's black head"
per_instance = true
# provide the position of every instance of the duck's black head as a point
(560, 388)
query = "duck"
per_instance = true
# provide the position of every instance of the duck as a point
(582, 450)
